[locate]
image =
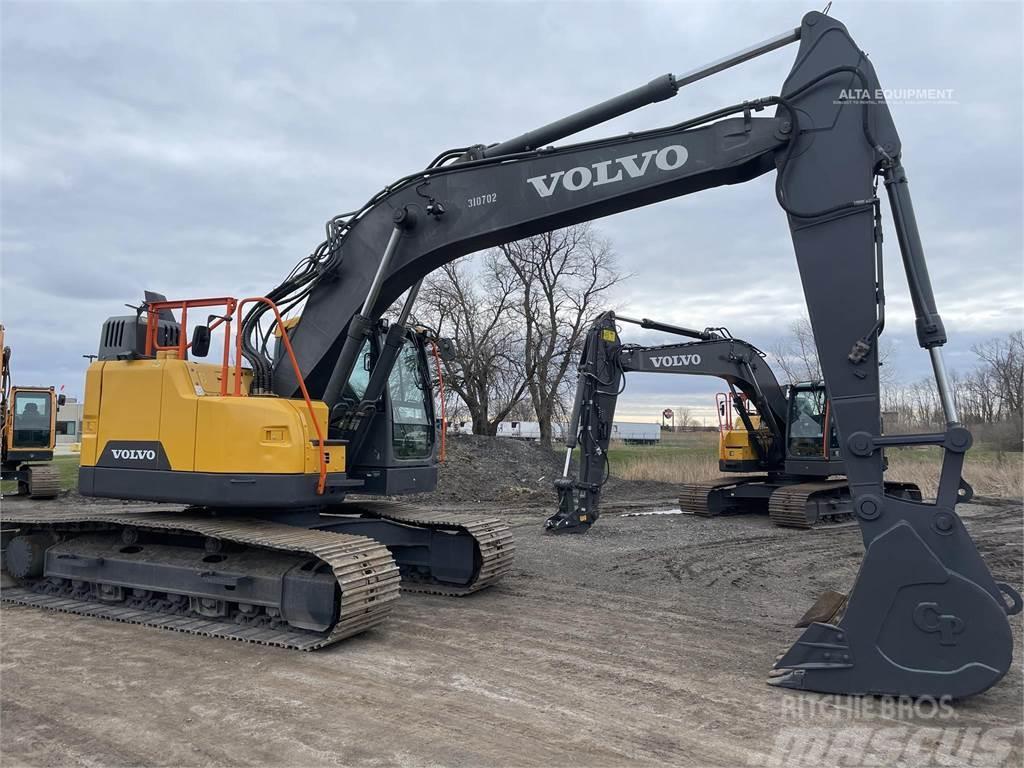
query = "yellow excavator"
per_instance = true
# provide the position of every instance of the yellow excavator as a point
(28, 428)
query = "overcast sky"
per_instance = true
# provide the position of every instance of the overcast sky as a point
(198, 148)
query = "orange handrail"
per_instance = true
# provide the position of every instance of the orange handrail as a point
(153, 310)
(322, 480)
(233, 307)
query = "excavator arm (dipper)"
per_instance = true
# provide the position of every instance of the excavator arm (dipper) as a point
(925, 616)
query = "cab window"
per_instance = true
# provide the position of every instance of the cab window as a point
(806, 423)
(360, 378)
(412, 432)
(31, 420)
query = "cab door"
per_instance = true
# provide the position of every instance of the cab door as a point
(812, 445)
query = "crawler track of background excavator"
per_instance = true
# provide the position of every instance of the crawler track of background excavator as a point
(695, 497)
(793, 505)
(43, 482)
(804, 505)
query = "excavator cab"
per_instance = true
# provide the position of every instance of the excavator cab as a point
(33, 412)
(28, 429)
(808, 422)
(393, 452)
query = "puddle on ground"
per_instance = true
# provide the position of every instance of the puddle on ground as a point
(656, 512)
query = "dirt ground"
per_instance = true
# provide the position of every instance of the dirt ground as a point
(645, 642)
(516, 472)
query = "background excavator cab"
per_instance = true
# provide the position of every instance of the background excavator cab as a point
(28, 433)
(809, 418)
(744, 440)
(32, 417)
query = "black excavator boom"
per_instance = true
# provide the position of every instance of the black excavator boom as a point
(827, 149)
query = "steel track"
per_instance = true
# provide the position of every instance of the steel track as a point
(367, 577)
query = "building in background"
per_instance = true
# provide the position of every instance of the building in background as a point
(69, 422)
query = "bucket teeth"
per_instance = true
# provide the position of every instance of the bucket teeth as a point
(785, 678)
(825, 610)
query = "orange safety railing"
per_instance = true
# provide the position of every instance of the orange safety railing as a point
(153, 345)
(233, 310)
(723, 405)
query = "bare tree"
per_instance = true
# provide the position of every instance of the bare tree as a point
(796, 356)
(988, 398)
(561, 278)
(684, 417)
(476, 310)
(1003, 363)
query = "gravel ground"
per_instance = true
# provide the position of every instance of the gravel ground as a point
(645, 642)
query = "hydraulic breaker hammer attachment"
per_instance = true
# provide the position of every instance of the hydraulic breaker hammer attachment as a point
(567, 519)
(597, 389)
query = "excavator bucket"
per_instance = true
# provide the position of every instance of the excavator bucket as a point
(924, 618)
(826, 609)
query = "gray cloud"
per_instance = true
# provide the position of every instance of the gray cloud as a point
(198, 148)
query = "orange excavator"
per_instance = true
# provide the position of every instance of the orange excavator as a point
(28, 428)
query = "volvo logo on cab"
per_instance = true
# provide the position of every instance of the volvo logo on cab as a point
(610, 171)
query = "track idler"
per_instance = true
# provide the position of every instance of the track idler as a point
(925, 617)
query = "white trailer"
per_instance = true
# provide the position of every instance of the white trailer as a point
(627, 431)
(529, 430)
(636, 432)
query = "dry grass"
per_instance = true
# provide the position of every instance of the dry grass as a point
(667, 468)
(1000, 475)
(990, 473)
